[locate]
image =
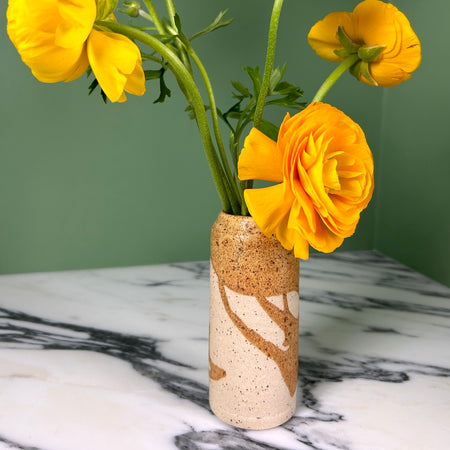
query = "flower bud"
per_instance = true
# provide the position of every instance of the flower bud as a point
(131, 8)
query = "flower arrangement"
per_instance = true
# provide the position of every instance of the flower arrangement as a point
(318, 158)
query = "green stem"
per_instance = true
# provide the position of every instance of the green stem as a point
(188, 82)
(248, 184)
(334, 76)
(161, 30)
(149, 57)
(215, 119)
(146, 15)
(172, 11)
(270, 56)
(155, 18)
(244, 209)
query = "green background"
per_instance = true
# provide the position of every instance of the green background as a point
(84, 184)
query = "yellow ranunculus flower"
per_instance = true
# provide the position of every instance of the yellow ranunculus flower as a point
(324, 170)
(57, 39)
(50, 36)
(372, 23)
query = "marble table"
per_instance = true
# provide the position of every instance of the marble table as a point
(118, 359)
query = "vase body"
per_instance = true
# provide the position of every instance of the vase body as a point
(253, 328)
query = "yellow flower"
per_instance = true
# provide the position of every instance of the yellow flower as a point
(324, 170)
(58, 41)
(117, 64)
(50, 36)
(372, 24)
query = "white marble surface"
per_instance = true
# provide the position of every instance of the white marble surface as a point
(118, 359)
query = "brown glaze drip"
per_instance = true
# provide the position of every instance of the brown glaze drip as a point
(287, 322)
(216, 372)
(249, 263)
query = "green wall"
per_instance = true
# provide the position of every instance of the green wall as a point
(413, 219)
(83, 184)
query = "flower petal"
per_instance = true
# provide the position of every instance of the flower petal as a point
(291, 239)
(375, 24)
(325, 240)
(260, 159)
(32, 27)
(60, 65)
(268, 206)
(77, 18)
(117, 64)
(323, 37)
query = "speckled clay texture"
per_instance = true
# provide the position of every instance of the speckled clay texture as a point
(253, 348)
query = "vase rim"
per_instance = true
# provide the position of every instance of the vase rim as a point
(236, 225)
(235, 215)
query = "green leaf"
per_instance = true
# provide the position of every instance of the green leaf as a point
(370, 54)
(269, 129)
(152, 74)
(255, 76)
(164, 91)
(234, 115)
(190, 110)
(241, 89)
(355, 69)
(217, 23)
(286, 102)
(346, 42)
(177, 21)
(365, 72)
(342, 53)
(180, 33)
(235, 109)
(93, 86)
(285, 88)
(275, 78)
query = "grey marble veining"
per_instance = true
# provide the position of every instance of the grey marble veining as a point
(118, 359)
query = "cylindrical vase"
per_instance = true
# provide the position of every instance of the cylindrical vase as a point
(253, 328)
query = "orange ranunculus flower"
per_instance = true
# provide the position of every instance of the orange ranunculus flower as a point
(55, 38)
(324, 170)
(372, 23)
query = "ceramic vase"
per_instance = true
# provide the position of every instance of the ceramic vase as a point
(253, 330)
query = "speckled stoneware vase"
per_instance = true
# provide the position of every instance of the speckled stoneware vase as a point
(253, 342)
